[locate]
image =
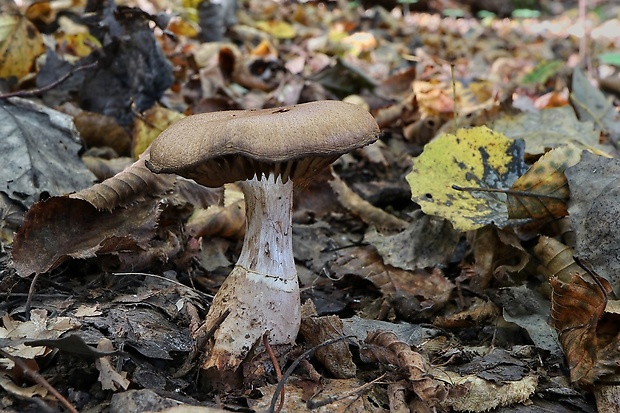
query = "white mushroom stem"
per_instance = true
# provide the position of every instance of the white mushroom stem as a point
(262, 291)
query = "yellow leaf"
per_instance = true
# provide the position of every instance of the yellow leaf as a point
(79, 44)
(146, 128)
(182, 27)
(20, 44)
(278, 29)
(477, 157)
(544, 189)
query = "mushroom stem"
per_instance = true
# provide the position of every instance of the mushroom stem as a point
(262, 291)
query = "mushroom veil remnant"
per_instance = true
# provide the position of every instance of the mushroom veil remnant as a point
(267, 151)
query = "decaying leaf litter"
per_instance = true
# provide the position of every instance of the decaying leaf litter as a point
(438, 261)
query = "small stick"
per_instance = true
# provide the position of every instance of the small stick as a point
(38, 91)
(39, 379)
(311, 404)
(276, 366)
(31, 292)
(505, 191)
(201, 339)
(456, 109)
(592, 274)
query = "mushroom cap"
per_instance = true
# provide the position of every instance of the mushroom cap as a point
(292, 141)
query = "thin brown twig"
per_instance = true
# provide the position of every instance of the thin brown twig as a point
(39, 379)
(38, 91)
(315, 404)
(31, 291)
(505, 191)
(276, 366)
(201, 339)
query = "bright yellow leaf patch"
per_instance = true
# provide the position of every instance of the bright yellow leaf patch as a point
(471, 158)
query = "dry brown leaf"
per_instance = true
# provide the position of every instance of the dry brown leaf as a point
(543, 190)
(430, 289)
(576, 309)
(557, 259)
(109, 378)
(473, 394)
(100, 130)
(496, 252)
(227, 221)
(476, 314)
(62, 228)
(20, 44)
(104, 168)
(335, 357)
(130, 185)
(385, 347)
(136, 182)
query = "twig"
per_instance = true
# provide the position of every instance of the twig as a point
(38, 91)
(39, 379)
(31, 292)
(455, 108)
(505, 191)
(312, 404)
(592, 274)
(201, 339)
(294, 365)
(276, 366)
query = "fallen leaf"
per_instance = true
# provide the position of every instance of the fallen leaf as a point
(40, 150)
(593, 212)
(529, 309)
(100, 130)
(109, 378)
(557, 259)
(576, 309)
(472, 158)
(20, 44)
(385, 347)
(426, 242)
(335, 357)
(497, 252)
(63, 228)
(364, 209)
(472, 394)
(591, 104)
(543, 189)
(548, 128)
(147, 127)
(429, 289)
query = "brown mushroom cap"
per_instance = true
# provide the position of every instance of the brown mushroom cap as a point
(293, 142)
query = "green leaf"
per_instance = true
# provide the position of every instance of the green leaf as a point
(610, 58)
(543, 72)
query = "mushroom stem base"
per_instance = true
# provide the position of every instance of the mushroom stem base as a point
(262, 291)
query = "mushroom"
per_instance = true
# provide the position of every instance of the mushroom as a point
(268, 151)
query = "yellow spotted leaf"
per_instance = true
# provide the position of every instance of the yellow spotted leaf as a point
(20, 45)
(471, 158)
(543, 190)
